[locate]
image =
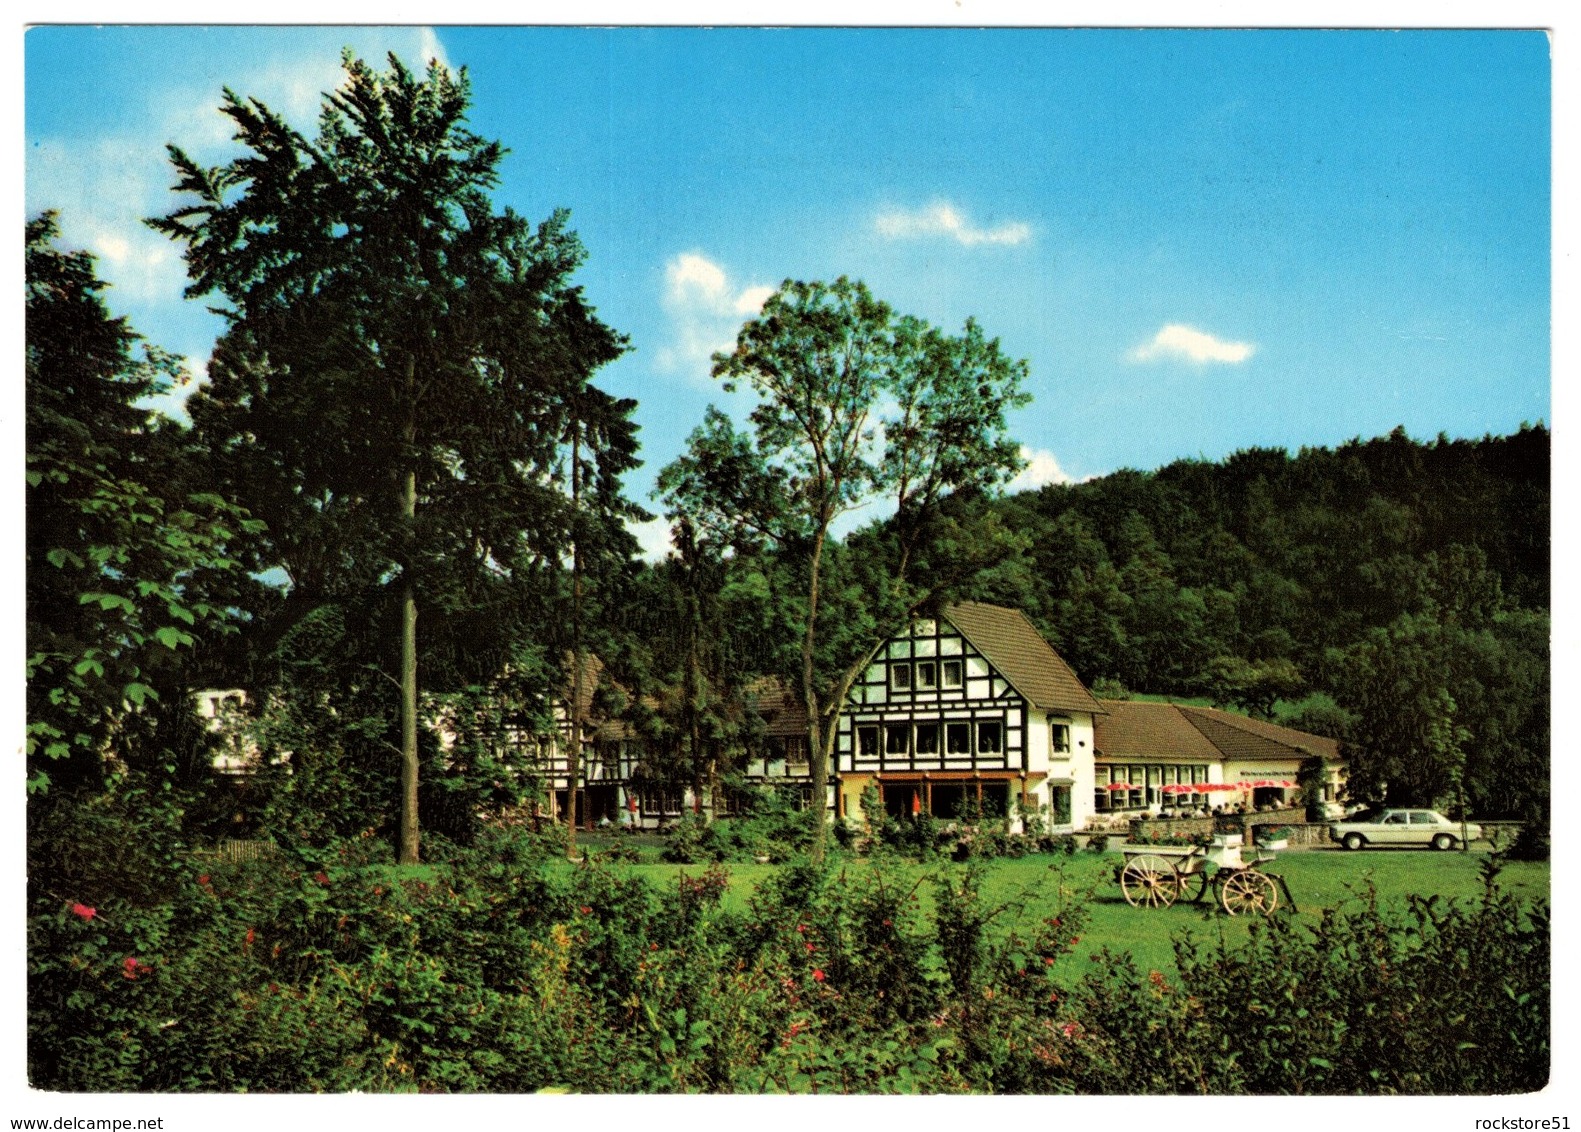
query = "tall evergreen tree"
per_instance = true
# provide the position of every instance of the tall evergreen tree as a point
(401, 361)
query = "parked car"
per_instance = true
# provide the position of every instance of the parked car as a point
(1401, 827)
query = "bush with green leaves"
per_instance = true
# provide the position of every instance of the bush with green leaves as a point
(499, 967)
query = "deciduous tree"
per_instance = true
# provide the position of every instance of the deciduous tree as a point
(855, 406)
(121, 556)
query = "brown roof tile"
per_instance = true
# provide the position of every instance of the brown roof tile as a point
(1242, 737)
(779, 705)
(1013, 645)
(1135, 729)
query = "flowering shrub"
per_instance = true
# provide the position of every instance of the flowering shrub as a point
(499, 970)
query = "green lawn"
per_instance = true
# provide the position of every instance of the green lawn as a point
(1029, 889)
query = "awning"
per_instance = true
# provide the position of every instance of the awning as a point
(1122, 786)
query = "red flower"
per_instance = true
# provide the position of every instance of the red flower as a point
(203, 879)
(84, 911)
(585, 910)
(251, 935)
(131, 967)
(321, 878)
(817, 974)
(811, 949)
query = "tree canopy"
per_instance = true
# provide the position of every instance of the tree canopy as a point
(400, 369)
(855, 406)
(124, 549)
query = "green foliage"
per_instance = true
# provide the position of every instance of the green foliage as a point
(501, 968)
(771, 826)
(124, 561)
(833, 369)
(400, 388)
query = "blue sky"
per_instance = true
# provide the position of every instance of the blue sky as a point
(1201, 240)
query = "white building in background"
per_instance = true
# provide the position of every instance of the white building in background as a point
(974, 712)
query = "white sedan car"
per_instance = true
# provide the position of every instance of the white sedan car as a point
(1401, 827)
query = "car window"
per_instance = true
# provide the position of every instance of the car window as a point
(1393, 819)
(1422, 817)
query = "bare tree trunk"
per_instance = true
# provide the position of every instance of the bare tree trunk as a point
(816, 749)
(574, 769)
(409, 853)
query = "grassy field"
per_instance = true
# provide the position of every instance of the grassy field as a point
(1030, 888)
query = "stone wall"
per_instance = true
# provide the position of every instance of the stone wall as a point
(1300, 832)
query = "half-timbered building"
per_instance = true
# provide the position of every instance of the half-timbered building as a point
(974, 713)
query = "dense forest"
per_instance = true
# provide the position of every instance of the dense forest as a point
(1390, 592)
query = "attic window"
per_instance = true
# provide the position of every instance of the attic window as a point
(950, 673)
(900, 677)
(927, 674)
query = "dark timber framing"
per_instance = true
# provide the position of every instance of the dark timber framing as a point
(904, 716)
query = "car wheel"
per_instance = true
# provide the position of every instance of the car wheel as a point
(1443, 841)
(1354, 841)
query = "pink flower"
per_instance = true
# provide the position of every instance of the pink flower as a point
(131, 967)
(84, 911)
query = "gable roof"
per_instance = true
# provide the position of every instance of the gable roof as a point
(1013, 645)
(1133, 729)
(1136, 729)
(1242, 737)
(782, 710)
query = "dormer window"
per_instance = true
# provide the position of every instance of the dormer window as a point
(1059, 736)
(900, 677)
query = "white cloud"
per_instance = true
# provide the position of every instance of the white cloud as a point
(1042, 469)
(706, 309)
(653, 536)
(104, 185)
(944, 219)
(1187, 343)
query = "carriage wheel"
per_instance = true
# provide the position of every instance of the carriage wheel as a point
(1249, 891)
(1149, 882)
(1197, 880)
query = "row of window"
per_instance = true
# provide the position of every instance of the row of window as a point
(962, 738)
(1136, 787)
(926, 675)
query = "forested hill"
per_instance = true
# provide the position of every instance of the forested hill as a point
(1250, 578)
